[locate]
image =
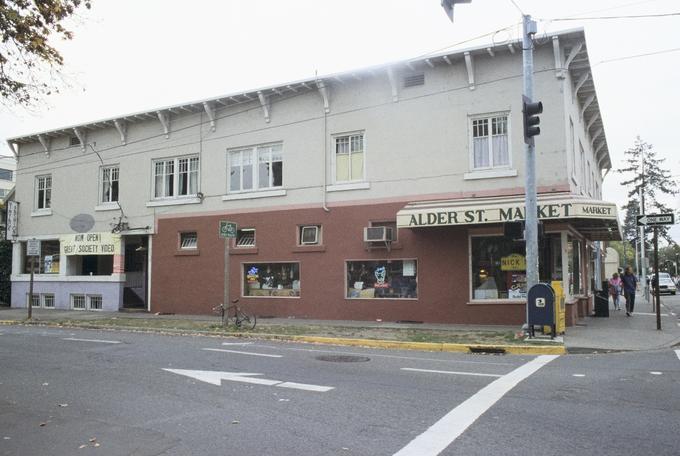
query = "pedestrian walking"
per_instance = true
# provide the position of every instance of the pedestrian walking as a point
(630, 284)
(615, 285)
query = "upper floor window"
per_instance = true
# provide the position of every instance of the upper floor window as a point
(109, 190)
(6, 174)
(175, 177)
(43, 194)
(490, 147)
(349, 157)
(255, 168)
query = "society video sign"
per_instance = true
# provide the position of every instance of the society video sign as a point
(90, 244)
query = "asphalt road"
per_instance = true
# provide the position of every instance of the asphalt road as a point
(670, 303)
(79, 392)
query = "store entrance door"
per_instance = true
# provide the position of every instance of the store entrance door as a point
(134, 292)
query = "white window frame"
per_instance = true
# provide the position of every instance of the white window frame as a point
(36, 297)
(72, 299)
(88, 301)
(43, 300)
(471, 140)
(46, 178)
(176, 177)
(316, 228)
(188, 240)
(110, 169)
(334, 139)
(254, 151)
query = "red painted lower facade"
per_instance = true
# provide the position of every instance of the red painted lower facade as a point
(191, 282)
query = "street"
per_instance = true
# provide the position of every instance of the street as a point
(67, 391)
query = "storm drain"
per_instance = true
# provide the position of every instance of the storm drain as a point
(487, 350)
(343, 358)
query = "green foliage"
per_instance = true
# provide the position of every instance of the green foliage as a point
(26, 28)
(5, 271)
(646, 175)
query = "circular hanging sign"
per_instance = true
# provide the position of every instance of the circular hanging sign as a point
(82, 223)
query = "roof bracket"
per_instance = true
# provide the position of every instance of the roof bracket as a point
(592, 121)
(45, 141)
(81, 137)
(582, 80)
(587, 103)
(470, 70)
(429, 63)
(572, 54)
(393, 84)
(210, 112)
(511, 47)
(560, 72)
(597, 133)
(264, 102)
(323, 90)
(121, 126)
(491, 52)
(447, 60)
(164, 119)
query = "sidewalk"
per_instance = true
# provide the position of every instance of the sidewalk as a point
(615, 333)
(619, 332)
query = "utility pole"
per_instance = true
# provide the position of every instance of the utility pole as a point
(531, 216)
(645, 289)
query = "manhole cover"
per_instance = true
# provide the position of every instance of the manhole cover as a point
(343, 358)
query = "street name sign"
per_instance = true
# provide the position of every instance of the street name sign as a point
(227, 229)
(655, 219)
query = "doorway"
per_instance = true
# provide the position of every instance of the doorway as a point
(136, 274)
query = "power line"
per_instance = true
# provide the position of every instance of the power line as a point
(50, 165)
(637, 55)
(517, 6)
(592, 18)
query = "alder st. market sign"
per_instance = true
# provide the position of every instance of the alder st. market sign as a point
(498, 213)
(90, 244)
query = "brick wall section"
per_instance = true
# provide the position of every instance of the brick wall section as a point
(193, 283)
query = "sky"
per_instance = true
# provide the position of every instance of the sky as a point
(129, 56)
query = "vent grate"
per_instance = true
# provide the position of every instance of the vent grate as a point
(414, 80)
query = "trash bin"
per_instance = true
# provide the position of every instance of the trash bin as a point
(602, 301)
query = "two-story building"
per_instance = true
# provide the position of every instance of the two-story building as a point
(383, 193)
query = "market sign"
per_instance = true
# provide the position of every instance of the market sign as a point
(90, 244)
(414, 216)
(513, 262)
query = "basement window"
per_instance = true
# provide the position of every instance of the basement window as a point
(245, 237)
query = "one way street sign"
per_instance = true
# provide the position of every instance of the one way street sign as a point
(655, 219)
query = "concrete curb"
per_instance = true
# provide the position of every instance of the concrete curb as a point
(343, 341)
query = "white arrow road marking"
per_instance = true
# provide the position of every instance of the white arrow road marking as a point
(449, 372)
(216, 377)
(440, 435)
(93, 340)
(242, 352)
(677, 352)
(237, 343)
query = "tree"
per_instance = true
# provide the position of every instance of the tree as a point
(647, 177)
(28, 60)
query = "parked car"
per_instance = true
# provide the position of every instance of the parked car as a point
(666, 284)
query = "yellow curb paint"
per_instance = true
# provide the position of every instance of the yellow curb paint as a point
(370, 343)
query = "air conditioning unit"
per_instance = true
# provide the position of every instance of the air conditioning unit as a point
(378, 234)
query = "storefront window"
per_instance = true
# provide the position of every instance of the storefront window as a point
(271, 279)
(550, 258)
(394, 279)
(575, 278)
(47, 263)
(498, 268)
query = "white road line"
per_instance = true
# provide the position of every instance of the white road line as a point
(305, 387)
(450, 372)
(237, 343)
(92, 340)
(243, 353)
(339, 352)
(440, 435)
(677, 352)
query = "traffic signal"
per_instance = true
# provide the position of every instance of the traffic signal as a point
(530, 112)
(448, 6)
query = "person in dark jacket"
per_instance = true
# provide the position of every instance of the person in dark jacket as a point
(630, 283)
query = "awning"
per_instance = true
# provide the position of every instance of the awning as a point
(597, 220)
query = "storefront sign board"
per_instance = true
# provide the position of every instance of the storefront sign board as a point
(90, 244)
(500, 213)
(12, 219)
(33, 247)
